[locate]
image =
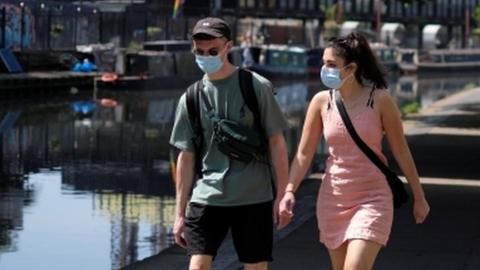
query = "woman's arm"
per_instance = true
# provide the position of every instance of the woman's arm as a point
(311, 134)
(392, 124)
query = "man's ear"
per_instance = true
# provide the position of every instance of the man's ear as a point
(229, 44)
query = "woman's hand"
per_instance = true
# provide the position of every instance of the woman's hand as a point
(286, 209)
(420, 210)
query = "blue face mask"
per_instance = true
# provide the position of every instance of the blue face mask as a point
(209, 64)
(331, 77)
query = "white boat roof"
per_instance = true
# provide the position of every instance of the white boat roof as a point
(283, 47)
(455, 51)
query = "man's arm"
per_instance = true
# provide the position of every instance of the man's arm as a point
(279, 157)
(184, 176)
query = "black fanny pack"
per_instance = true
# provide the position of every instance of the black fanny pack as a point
(237, 141)
(234, 139)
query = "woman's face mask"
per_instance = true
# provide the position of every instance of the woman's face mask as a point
(211, 62)
(331, 77)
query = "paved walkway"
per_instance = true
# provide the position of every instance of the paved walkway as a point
(445, 142)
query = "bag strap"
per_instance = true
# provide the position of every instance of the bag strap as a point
(193, 109)
(250, 98)
(360, 143)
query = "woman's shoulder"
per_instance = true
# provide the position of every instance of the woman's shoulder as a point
(384, 101)
(322, 96)
(383, 96)
(320, 100)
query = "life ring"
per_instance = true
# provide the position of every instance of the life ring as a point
(108, 102)
(109, 77)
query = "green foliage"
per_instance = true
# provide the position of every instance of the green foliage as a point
(134, 47)
(153, 32)
(415, 1)
(476, 18)
(330, 25)
(57, 30)
(331, 12)
(409, 108)
(470, 86)
(476, 14)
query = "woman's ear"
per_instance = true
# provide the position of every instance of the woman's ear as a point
(352, 67)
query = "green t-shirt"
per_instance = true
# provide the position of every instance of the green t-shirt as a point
(227, 182)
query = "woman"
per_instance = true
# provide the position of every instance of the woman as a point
(354, 208)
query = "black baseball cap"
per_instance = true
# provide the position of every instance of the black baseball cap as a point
(212, 26)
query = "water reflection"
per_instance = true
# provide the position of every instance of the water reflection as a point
(13, 200)
(91, 178)
(426, 90)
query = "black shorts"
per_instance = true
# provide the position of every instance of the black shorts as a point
(251, 225)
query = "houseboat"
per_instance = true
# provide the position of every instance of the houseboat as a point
(407, 60)
(274, 60)
(279, 60)
(314, 61)
(387, 55)
(160, 65)
(449, 60)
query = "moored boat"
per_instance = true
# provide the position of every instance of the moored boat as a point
(449, 60)
(161, 65)
(407, 60)
(276, 60)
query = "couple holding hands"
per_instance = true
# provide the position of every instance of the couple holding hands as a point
(216, 192)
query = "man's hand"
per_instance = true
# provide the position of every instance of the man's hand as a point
(178, 231)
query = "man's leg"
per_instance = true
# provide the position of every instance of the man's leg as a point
(200, 262)
(252, 233)
(205, 228)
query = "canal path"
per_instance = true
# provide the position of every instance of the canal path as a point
(86, 182)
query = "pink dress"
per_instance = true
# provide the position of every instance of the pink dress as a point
(355, 201)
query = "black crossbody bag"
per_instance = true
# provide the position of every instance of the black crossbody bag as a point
(400, 195)
(235, 140)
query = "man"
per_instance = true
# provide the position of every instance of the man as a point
(228, 194)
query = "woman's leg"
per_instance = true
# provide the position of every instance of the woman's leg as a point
(361, 254)
(256, 266)
(200, 262)
(337, 256)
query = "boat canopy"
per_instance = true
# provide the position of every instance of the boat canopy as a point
(434, 36)
(355, 26)
(392, 33)
(348, 27)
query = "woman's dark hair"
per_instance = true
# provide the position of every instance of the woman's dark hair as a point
(355, 48)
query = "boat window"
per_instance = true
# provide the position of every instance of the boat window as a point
(436, 58)
(407, 57)
(278, 58)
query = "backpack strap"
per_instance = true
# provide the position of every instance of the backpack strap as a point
(250, 98)
(193, 109)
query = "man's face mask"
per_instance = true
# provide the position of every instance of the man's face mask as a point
(211, 62)
(331, 77)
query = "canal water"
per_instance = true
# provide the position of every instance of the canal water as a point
(86, 179)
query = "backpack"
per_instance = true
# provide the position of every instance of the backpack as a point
(193, 109)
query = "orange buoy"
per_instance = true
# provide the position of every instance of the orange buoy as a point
(109, 77)
(108, 102)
